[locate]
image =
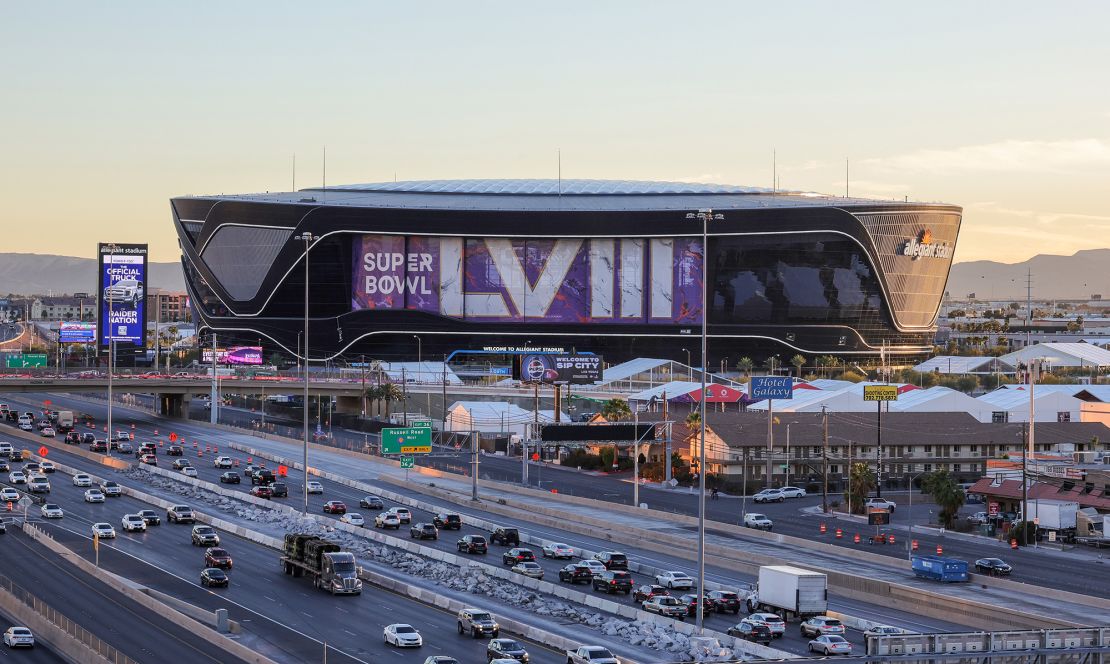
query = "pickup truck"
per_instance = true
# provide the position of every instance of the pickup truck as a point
(591, 655)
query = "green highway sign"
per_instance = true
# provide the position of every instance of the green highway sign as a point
(408, 462)
(422, 424)
(407, 440)
(24, 360)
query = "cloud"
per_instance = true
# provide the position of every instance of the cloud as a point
(1075, 219)
(1003, 156)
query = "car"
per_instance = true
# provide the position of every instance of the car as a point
(149, 459)
(88, 438)
(266, 492)
(830, 645)
(17, 477)
(478, 623)
(558, 550)
(447, 521)
(371, 503)
(613, 581)
(16, 456)
(263, 476)
(315, 487)
(387, 520)
(528, 568)
(19, 637)
(32, 468)
(126, 448)
(506, 649)
(773, 621)
(8, 495)
(6, 449)
(472, 544)
(665, 605)
(103, 530)
(175, 450)
(82, 480)
(402, 636)
(402, 513)
(214, 577)
(5, 467)
(26, 426)
(99, 446)
(48, 432)
(189, 471)
(424, 531)
(821, 626)
(440, 659)
(217, 557)
(46, 467)
(758, 521)
(725, 601)
(180, 514)
(72, 438)
(505, 537)
(331, 507)
(352, 518)
(279, 490)
(993, 567)
(51, 511)
(230, 477)
(751, 630)
(94, 496)
(517, 555)
(769, 496)
(884, 630)
(977, 519)
(591, 655)
(39, 484)
(144, 449)
(691, 602)
(111, 489)
(674, 580)
(120, 437)
(575, 573)
(180, 464)
(133, 523)
(222, 462)
(150, 517)
(612, 559)
(205, 536)
(879, 503)
(793, 492)
(646, 592)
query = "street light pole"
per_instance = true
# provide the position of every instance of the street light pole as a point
(689, 365)
(308, 239)
(419, 350)
(107, 324)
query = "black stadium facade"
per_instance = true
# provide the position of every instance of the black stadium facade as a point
(609, 267)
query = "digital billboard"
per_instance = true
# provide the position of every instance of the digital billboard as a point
(121, 295)
(566, 280)
(234, 355)
(72, 332)
(547, 368)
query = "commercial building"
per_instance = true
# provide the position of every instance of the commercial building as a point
(610, 267)
(167, 306)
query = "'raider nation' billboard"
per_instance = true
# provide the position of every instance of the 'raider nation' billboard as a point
(121, 293)
(576, 280)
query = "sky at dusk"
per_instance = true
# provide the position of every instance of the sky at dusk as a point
(110, 109)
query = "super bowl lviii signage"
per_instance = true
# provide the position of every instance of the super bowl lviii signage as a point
(566, 280)
(121, 295)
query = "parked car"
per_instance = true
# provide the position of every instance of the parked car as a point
(880, 503)
(830, 645)
(751, 630)
(793, 492)
(758, 521)
(993, 567)
(371, 503)
(505, 537)
(674, 580)
(821, 626)
(769, 496)
(558, 550)
(978, 518)
(613, 581)
(472, 544)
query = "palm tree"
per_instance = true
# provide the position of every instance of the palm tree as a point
(389, 394)
(798, 361)
(615, 409)
(745, 365)
(693, 420)
(862, 482)
(948, 495)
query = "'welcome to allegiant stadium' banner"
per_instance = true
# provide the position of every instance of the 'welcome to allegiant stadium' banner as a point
(578, 280)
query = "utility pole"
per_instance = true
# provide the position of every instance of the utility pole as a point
(770, 439)
(825, 461)
(474, 463)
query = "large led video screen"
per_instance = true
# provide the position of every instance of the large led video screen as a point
(121, 294)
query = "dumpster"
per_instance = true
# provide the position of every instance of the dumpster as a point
(939, 568)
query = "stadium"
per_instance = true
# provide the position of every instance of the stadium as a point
(608, 267)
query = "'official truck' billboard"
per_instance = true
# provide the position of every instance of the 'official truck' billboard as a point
(121, 296)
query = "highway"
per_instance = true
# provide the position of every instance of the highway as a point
(792, 642)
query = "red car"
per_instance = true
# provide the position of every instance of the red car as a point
(266, 492)
(217, 557)
(330, 507)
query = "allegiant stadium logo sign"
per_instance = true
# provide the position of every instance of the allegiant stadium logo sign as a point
(923, 246)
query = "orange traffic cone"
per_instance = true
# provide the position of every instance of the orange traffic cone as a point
(824, 529)
(913, 545)
(890, 539)
(1013, 544)
(856, 538)
(839, 533)
(199, 454)
(940, 550)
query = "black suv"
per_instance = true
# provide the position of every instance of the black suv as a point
(612, 559)
(229, 477)
(725, 601)
(505, 537)
(517, 555)
(73, 438)
(614, 581)
(423, 531)
(262, 477)
(280, 489)
(88, 438)
(472, 544)
(575, 573)
(448, 521)
(506, 649)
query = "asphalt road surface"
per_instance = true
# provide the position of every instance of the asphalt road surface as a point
(40, 654)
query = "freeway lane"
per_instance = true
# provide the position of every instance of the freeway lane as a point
(118, 620)
(40, 654)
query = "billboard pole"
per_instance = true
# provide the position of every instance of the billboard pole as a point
(111, 343)
(308, 239)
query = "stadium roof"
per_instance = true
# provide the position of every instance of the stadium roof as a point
(553, 194)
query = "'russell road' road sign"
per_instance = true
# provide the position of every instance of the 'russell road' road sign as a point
(407, 440)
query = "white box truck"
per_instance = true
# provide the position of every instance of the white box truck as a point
(794, 590)
(65, 421)
(1053, 514)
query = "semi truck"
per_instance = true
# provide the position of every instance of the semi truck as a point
(65, 421)
(1087, 528)
(330, 567)
(794, 590)
(939, 568)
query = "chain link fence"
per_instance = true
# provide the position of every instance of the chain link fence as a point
(71, 628)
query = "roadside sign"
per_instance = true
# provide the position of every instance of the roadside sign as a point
(25, 360)
(24, 502)
(771, 387)
(877, 516)
(880, 392)
(992, 509)
(421, 424)
(173, 437)
(46, 402)
(407, 440)
(44, 450)
(1052, 536)
(408, 462)
(283, 470)
(535, 456)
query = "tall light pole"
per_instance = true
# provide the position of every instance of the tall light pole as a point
(704, 215)
(308, 239)
(112, 249)
(419, 350)
(689, 363)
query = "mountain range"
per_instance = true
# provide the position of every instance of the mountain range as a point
(1054, 277)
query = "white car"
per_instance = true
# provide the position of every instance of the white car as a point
(6, 449)
(48, 432)
(402, 513)
(133, 522)
(758, 521)
(884, 630)
(793, 492)
(558, 550)
(353, 519)
(104, 530)
(26, 426)
(81, 479)
(315, 487)
(595, 566)
(880, 503)
(189, 471)
(17, 477)
(528, 568)
(402, 636)
(47, 467)
(9, 495)
(94, 496)
(387, 520)
(19, 637)
(773, 621)
(674, 580)
(222, 462)
(51, 511)
(769, 496)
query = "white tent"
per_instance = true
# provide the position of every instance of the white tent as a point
(1060, 355)
(419, 372)
(1012, 405)
(496, 417)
